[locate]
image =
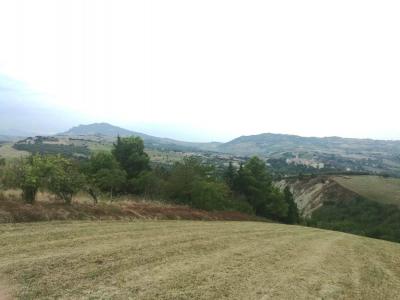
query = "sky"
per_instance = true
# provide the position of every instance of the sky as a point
(202, 70)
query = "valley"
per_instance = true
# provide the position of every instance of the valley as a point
(285, 154)
(364, 205)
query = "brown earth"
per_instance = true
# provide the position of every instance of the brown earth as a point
(310, 193)
(13, 210)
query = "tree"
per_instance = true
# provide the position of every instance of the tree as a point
(104, 174)
(26, 174)
(293, 216)
(63, 178)
(183, 175)
(129, 152)
(230, 175)
(254, 182)
(110, 180)
(150, 184)
(209, 195)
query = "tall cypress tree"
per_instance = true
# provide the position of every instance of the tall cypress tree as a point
(230, 175)
(293, 216)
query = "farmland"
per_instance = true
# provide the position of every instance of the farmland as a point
(193, 260)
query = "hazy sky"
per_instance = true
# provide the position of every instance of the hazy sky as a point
(206, 70)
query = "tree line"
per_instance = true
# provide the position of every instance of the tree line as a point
(126, 170)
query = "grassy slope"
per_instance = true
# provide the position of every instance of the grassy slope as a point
(8, 152)
(384, 190)
(193, 260)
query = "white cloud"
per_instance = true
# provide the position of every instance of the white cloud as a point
(219, 68)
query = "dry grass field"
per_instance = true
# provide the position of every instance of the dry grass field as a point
(384, 190)
(8, 152)
(192, 260)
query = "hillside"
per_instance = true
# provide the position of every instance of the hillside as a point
(193, 260)
(110, 132)
(381, 189)
(286, 154)
(364, 205)
(268, 143)
(330, 153)
(310, 193)
(100, 129)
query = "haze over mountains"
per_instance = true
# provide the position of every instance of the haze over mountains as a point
(362, 155)
(334, 153)
(265, 143)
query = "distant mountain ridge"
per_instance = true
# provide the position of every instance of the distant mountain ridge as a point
(111, 131)
(286, 153)
(104, 129)
(268, 143)
(265, 144)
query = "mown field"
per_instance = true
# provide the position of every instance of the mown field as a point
(193, 260)
(376, 188)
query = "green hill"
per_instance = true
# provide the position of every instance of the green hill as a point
(364, 205)
(376, 188)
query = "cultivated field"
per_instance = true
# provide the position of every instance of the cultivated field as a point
(193, 260)
(384, 190)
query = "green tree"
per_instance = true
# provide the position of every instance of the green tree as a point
(104, 174)
(63, 178)
(183, 175)
(293, 216)
(26, 174)
(150, 184)
(129, 152)
(110, 180)
(209, 195)
(254, 182)
(230, 175)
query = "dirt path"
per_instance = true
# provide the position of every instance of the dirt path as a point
(195, 260)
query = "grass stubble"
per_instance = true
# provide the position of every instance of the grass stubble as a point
(193, 260)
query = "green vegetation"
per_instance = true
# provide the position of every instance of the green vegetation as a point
(193, 260)
(26, 174)
(255, 184)
(104, 174)
(293, 215)
(360, 216)
(62, 177)
(377, 188)
(326, 203)
(53, 149)
(127, 170)
(192, 183)
(129, 152)
(54, 173)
